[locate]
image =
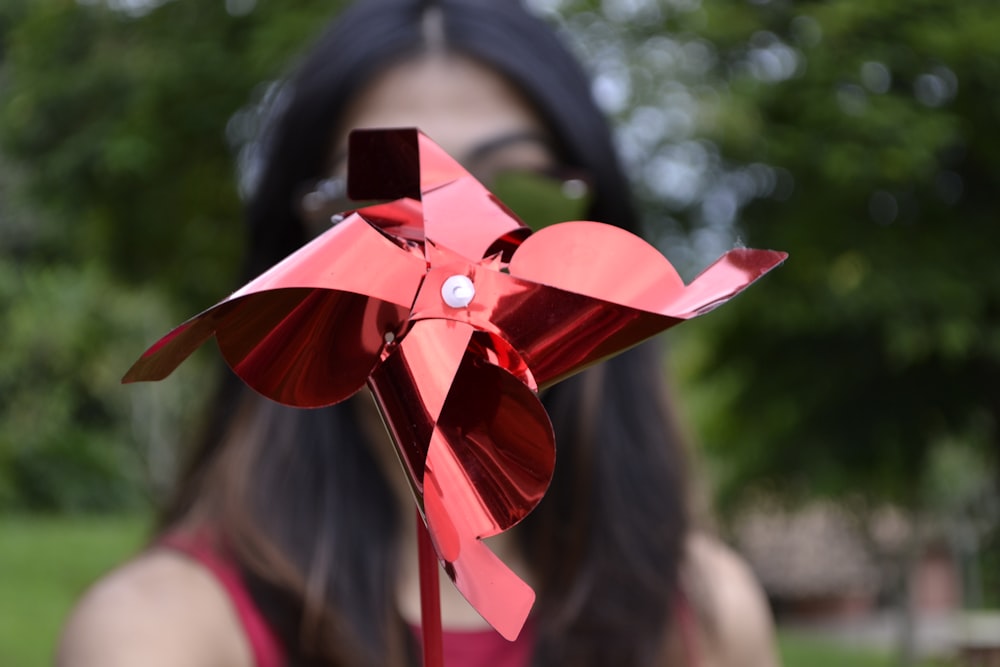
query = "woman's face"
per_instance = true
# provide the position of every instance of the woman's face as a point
(474, 114)
(468, 109)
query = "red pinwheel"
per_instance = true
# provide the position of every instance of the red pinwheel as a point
(455, 315)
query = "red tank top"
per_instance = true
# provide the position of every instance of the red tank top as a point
(470, 648)
(484, 648)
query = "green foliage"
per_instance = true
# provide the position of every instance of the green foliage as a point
(119, 216)
(880, 337)
(804, 651)
(856, 135)
(70, 435)
(123, 119)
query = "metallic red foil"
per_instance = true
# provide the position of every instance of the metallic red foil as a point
(457, 385)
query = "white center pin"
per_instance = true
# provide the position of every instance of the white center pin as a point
(458, 291)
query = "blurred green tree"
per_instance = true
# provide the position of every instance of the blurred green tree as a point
(880, 338)
(858, 136)
(119, 214)
(123, 114)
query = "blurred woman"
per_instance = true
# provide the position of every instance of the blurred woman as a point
(290, 539)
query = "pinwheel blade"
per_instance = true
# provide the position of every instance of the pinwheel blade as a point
(489, 464)
(308, 331)
(609, 291)
(480, 452)
(600, 261)
(306, 347)
(725, 278)
(497, 448)
(410, 387)
(458, 212)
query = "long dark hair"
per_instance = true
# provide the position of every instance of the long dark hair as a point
(297, 495)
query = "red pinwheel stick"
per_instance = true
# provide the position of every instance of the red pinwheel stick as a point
(430, 597)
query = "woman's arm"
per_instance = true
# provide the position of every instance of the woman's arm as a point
(161, 609)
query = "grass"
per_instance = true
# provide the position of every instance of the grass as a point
(799, 651)
(807, 652)
(45, 565)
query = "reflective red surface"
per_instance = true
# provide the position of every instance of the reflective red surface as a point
(456, 384)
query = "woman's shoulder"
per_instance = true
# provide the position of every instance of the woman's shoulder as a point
(161, 608)
(736, 623)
